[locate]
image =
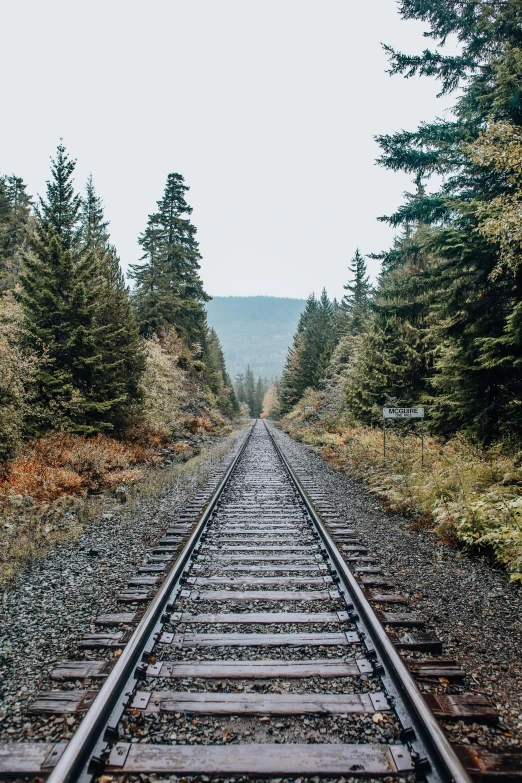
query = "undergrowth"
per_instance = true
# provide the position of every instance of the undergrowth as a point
(468, 496)
(63, 482)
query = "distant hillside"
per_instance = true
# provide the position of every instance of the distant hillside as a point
(255, 330)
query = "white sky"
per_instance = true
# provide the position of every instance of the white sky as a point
(267, 108)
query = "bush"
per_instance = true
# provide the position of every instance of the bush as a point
(17, 371)
(162, 382)
(66, 464)
(468, 496)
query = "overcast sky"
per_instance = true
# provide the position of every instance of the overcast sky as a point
(268, 109)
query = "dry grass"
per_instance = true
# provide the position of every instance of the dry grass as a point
(62, 483)
(466, 495)
(71, 465)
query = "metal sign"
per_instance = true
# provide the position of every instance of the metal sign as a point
(403, 413)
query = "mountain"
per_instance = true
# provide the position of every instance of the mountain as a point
(255, 330)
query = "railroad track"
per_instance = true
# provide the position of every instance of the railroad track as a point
(258, 653)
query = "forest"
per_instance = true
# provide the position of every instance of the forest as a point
(96, 377)
(251, 391)
(255, 331)
(442, 327)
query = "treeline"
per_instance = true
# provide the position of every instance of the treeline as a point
(326, 330)
(251, 391)
(79, 352)
(444, 326)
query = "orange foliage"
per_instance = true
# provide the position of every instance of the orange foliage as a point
(65, 464)
(71, 465)
(199, 424)
(181, 448)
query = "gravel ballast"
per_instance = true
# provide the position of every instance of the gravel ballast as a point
(472, 606)
(55, 601)
(473, 609)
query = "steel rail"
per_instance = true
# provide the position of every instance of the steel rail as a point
(90, 731)
(443, 763)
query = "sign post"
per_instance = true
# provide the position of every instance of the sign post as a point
(403, 413)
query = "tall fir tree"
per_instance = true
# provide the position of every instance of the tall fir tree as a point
(260, 393)
(216, 376)
(59, 294)
(119, 341)
(60, 210)
(355, 304)
(151, 294)
(94, 227)
(239, 385)
(475, 382)
(309, 358)
(250, 390)
(394, 357)
(168, 286)
(15, 211)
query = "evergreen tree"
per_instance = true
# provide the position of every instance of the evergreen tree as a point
(168, 285)
(394, 357)
(152, 290)
(250, 390)
(308, 360)
(15, 209)
(60, 211)
(260, 393)
(217, 377)
(476, 380)
(240, 388)
(94, 227)
(119, 342)
(356, 302)
(60, 290)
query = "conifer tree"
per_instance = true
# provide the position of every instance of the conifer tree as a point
(260, 393)
(356, 302)
(94, 227)
(152, 289)
(217, 377)
(394, 357)
(168, 286)
(250, 390)
(60, 211)
(240, 387)
(59, 295)
(119, 342)
(473, 307)
(15, 209)
(307, 364)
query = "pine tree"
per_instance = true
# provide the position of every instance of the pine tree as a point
(60, 290)
(15, 209)
(394, 357)
(120, 344)
(152, 289)
(240, 388)
(260, 393)
(250, 390)
(356, 302)
(216, 376)
(60, 211)
(474, 307)
(308, 360)
(94, 227)
(168, 285)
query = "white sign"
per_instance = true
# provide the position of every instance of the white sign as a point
(403, 413)
(308, 408)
